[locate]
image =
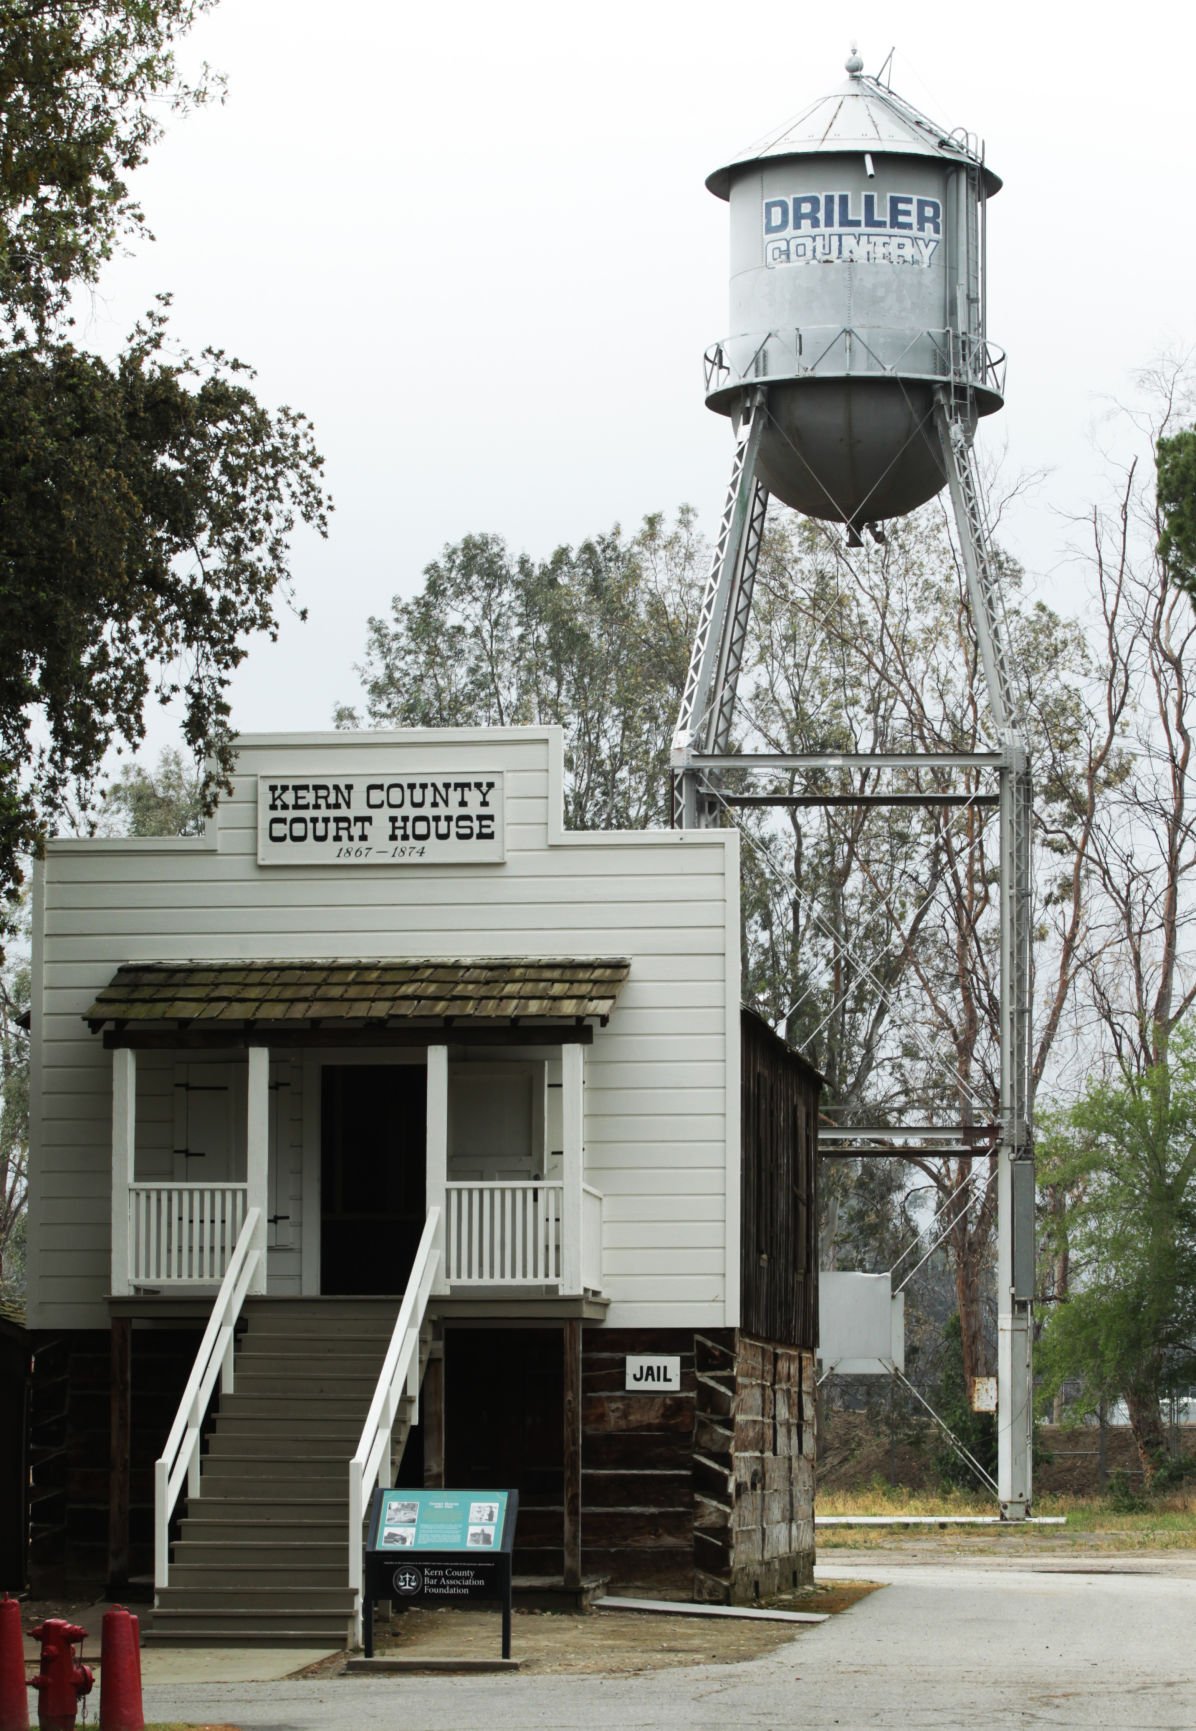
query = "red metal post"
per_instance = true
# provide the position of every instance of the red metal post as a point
(14, 1694)
(120, 1673)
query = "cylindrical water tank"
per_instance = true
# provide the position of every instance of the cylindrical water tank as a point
(857, 293)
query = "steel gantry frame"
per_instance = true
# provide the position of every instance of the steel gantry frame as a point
(702, 756)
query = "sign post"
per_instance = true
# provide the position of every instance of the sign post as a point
(439, 1547)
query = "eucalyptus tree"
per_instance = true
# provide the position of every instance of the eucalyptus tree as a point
(594, 639)
(165, 798)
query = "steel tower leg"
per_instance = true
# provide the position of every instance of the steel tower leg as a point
(1015, 1157)
(708, 701)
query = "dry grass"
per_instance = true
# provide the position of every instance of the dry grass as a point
(1098, 1523)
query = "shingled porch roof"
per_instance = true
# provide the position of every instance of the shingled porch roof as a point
(457, 992)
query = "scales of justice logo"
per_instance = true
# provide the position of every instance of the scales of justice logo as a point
(407, 1580)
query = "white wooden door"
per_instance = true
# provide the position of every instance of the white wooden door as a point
(209, 1124)
(496, 1122)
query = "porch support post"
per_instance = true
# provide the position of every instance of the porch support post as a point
(124, 1138)
(431, 1417)
(120, 1432)
(436, 1192)
(572, 1440)
(257, 1145)
(573, 1113)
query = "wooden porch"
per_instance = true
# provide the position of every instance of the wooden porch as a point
(541, 1235)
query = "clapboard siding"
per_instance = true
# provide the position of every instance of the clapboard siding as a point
(262, 920)
(88, 898)
(258, 942)
(662, 1080)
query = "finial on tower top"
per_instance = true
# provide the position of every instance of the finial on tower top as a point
(854, 63)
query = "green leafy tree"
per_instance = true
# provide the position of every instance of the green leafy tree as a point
(83, 84)
(1176, 494)
(164, 800)
(594, 639)
(1125, 1155)
(147, 503)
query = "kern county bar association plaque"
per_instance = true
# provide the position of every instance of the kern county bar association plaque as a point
(421, 817)
(438, 1546)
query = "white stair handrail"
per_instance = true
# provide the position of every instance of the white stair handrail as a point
(399, 1376)
(179, 1459)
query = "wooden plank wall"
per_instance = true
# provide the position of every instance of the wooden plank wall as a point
(71, 1439)
(637, 1461)
(779, 1113)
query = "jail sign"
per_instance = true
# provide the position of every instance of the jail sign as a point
(650, 1375)
(422, 817)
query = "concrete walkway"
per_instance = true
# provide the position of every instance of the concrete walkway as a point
(172, 1665)
(1102, 1644)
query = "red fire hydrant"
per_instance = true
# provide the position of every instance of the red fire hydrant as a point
(62, 1680)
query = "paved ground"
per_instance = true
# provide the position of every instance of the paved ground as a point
(1096, 1644)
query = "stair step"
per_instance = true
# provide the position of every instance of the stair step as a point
(264, 1414)
(229, 1505)
(305, 1385)
(305, 1378)
(233, 1576)
(360, 1333)
(331, 1437)
(294, 1427)
(269, 1604)
(348, 1352)
(249, 1634)
(322, 1321)
(329, 1543)
(265, 1534)
(292, 1453)
(265, 1474)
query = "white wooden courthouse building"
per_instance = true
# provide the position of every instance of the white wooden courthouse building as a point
(389, 1132)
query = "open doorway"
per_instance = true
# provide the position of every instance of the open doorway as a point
(373, 1155)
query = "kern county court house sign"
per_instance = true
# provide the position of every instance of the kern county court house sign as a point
(418, 818)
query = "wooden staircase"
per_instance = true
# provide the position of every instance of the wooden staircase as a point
(262, 1555)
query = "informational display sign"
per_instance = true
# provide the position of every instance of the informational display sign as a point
(442, 1520)
(422, 817)
(441, 1547)
(646, 1375)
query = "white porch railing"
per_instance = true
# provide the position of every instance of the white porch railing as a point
(179, 1460)
(504, 1234)
(399, 1377)
(183, 1234)
(591, 1239)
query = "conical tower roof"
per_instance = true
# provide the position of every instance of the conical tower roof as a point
(859, 115)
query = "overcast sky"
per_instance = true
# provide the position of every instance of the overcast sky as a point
(473, 243)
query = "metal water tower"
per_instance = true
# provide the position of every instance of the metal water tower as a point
(857, 369)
